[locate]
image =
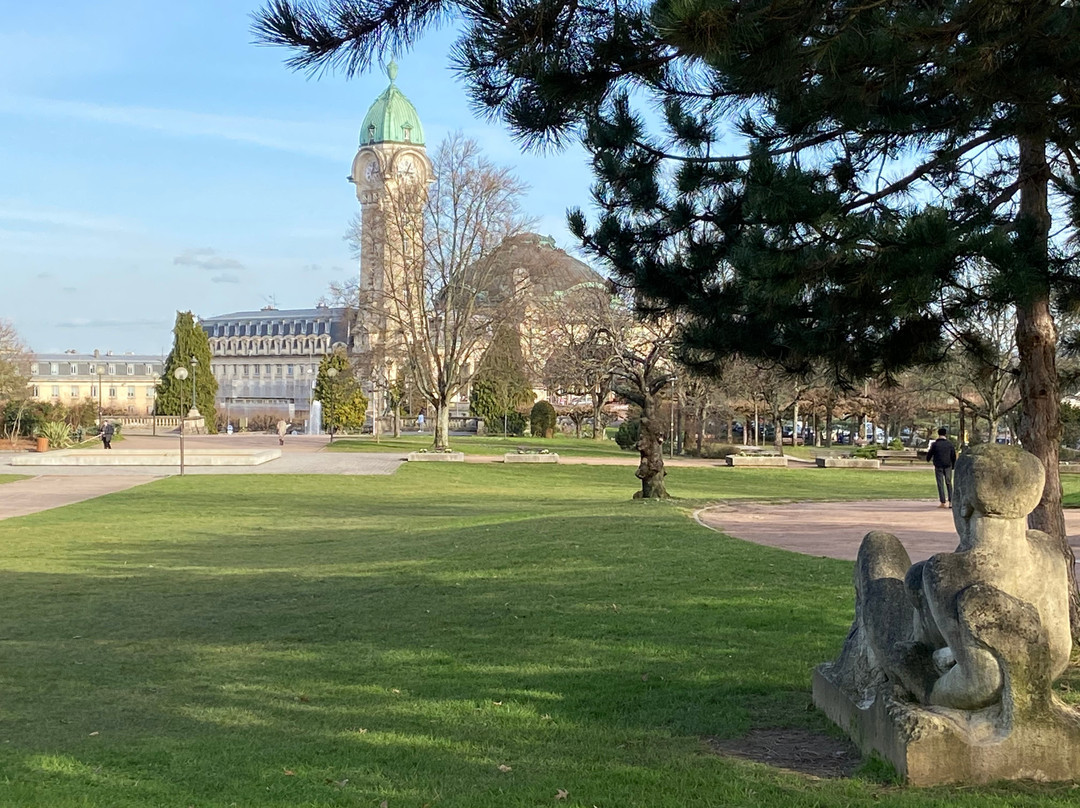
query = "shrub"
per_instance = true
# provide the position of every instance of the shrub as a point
(896, 444)
(865, 452)
(542, 419)
(628, 434)
(58, 433)
(716, 451)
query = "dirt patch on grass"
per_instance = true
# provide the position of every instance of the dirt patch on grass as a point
(798, 750)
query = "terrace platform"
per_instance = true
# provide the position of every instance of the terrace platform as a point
(196, 456)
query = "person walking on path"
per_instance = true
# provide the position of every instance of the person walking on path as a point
(942, 454)
(282, 428)
(107, 433)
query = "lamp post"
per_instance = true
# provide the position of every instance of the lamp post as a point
(194, 364)
(180, 374)
(331, 374)
(100, 370)
(155, 378)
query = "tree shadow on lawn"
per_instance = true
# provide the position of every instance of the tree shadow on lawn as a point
(452, 655)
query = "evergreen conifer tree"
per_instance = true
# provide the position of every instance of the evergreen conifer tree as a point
(501, 386)
(174, 395)
(832, 181)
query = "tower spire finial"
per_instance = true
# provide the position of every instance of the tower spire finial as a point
(391, 70)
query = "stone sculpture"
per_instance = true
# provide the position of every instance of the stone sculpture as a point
(948, 668)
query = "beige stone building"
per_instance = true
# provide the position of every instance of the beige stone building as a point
(119, 384)
(265, 361)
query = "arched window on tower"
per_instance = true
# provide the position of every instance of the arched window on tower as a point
(407, 132)
(371, 133)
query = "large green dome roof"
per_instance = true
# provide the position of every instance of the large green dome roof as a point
(392, 118)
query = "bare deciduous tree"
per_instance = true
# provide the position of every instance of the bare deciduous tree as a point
(448, 283)
(14, 376)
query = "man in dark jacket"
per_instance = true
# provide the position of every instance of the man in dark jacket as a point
(942, 454)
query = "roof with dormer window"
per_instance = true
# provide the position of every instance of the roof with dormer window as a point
(392, 118)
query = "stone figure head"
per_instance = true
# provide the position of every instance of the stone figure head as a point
(996, 481)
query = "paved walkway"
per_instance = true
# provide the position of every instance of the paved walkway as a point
(45, 491)
(835, 529)
(54, 486)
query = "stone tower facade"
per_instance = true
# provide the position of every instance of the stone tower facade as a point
(391, 172)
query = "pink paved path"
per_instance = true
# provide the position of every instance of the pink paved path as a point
(835, 529)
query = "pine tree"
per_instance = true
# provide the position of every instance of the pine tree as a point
(500, 386)
(833, 181)
(174, 395)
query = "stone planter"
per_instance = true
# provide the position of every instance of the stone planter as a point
(847, 463)
(436, 457)
(753, 460)
(514, 457)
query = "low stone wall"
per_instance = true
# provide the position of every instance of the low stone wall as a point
(847, 463)
(758, 460)
(514, 457)
(148, 457)
(436, 457)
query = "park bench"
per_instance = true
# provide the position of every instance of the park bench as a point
(907, 456)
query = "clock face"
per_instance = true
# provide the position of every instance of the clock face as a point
(371, 171)
(406, 167)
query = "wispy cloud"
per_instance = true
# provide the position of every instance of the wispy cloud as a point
(208, 259)
(225, 277)
(82, 322)
(308, 138)
(14, 212)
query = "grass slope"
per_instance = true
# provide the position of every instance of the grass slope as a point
(331, 641)
(484, 445)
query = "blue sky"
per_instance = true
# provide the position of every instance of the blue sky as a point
(153, 159)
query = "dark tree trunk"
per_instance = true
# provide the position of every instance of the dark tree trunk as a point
(597, 420)
(1036, 343)
(650, 446)
(828, 428)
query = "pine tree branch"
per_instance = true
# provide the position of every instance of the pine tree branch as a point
(926, 168)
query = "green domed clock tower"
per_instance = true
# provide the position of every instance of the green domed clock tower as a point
(391, 172)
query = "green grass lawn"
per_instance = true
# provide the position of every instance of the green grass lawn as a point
(484, 445)
(335, 641)
(10, 478)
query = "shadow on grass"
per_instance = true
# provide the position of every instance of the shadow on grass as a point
(544, 640)
(293, 642)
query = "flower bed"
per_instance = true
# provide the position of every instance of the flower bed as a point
(847, 463)
(756, 460)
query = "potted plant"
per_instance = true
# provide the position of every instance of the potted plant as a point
(56, 433)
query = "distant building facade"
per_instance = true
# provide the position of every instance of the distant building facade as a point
(117, 383)
(266, 361)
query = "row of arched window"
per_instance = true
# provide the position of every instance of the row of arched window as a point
(262, 346)
(268, 329)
